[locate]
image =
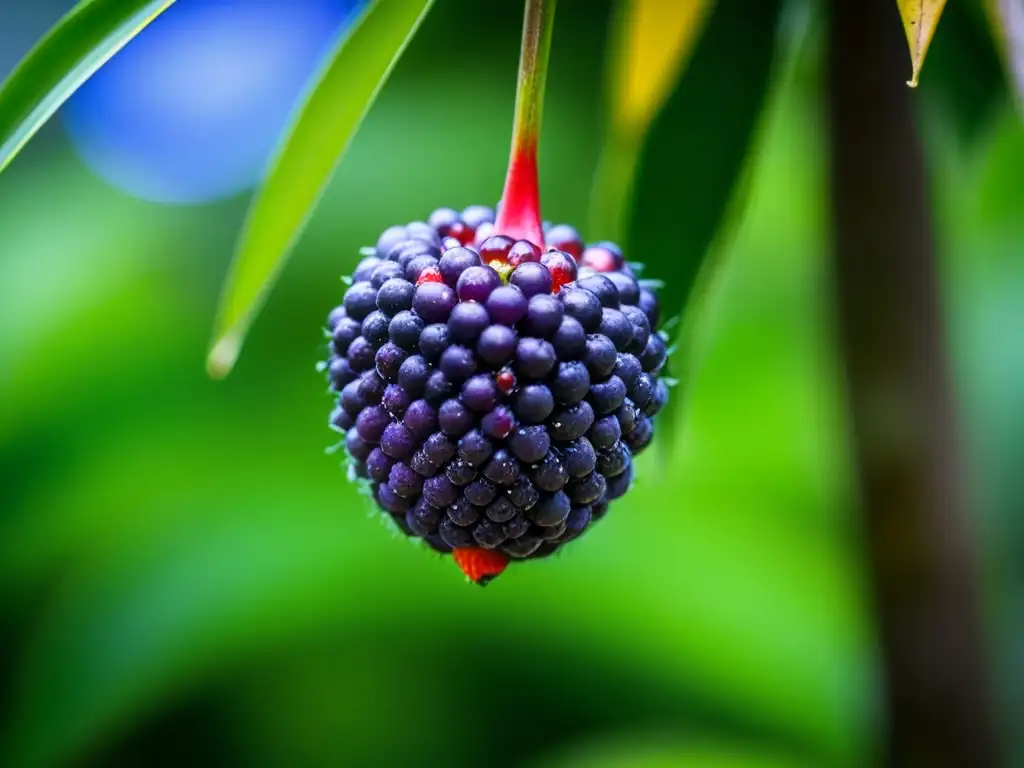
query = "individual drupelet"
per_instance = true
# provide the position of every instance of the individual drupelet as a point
(493, 393)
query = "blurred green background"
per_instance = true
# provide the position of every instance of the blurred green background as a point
(186, 577)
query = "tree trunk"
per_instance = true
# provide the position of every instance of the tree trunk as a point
(911, 481)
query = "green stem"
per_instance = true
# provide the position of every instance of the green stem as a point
(519, 217)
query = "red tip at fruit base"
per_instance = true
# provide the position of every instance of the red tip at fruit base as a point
(480, 565)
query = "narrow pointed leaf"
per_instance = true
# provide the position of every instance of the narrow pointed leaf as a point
(325, 123)
(651, 43)
(1007, 19)
(920, 17)
(81, 42)
(694, 158)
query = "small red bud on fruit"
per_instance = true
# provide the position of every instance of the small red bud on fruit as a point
(495, 248)
(565, 238)
(462, 232)
(601, 259)
(523, 251)
(480, 565)
(562, 267)
(430, 275)
(506, 380)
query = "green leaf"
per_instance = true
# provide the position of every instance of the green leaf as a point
(342, 94)
(160, 575)
(696, 153)
(81, 42)
(651, 749)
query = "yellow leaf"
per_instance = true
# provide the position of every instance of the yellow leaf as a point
(920, 17)
(657, 37)
(651, 42)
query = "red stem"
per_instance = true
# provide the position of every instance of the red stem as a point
(519, 217)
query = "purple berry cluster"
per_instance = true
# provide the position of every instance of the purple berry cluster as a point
(493, 393)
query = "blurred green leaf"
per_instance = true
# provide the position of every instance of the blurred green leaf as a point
(657, 750)
(163, 589)
(341, 95)
(176, 545)
(920, 18)
(696, 152)
(243, 585)
(651, 43)
(81, 42)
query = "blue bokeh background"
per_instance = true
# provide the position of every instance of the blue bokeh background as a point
(190, 111)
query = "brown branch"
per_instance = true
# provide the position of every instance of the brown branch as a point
(910, 472)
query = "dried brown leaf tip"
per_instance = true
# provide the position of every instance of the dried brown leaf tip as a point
(920, 18)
